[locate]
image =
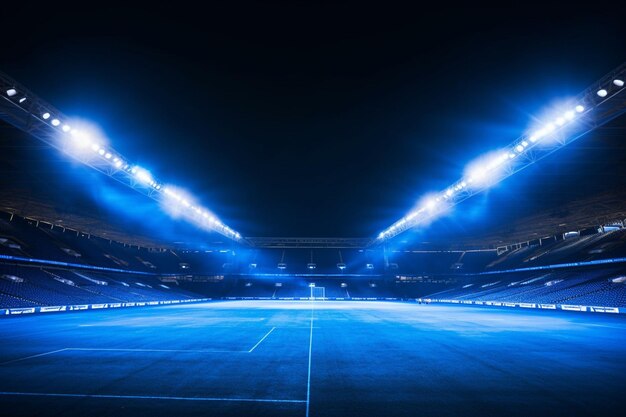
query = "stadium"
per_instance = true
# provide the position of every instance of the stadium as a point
(250, 214)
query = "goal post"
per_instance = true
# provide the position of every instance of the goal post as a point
(318, 293)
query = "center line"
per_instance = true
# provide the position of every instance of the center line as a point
(308, 381)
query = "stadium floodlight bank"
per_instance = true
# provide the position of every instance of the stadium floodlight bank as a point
(29, 113)
(600, 103)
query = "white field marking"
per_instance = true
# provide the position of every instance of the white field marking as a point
(308, 378)
(115, 324)
(155, 350)
(141, 350)
(148, 397)
(33, 356)
(262, 339)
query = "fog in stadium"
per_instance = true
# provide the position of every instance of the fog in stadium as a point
(312, 209)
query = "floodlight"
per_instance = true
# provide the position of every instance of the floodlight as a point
(487, 166)
(476, 174)
(88, 139)
(80, 137)
(142, 175)
(539, 134)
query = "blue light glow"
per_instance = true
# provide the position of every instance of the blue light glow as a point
(84, 135)
(486, 170)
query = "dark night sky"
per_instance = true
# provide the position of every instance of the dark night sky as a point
(293, 119)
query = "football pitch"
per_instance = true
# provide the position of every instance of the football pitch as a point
(312, 358)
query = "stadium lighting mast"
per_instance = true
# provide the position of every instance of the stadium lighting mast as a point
(600, 103)
(29, 113)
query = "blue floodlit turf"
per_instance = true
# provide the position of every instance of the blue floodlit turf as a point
(367, 359)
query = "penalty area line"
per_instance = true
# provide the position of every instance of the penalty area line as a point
(148, 397)
(154, 350)
(33, 356)
(262, 339)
